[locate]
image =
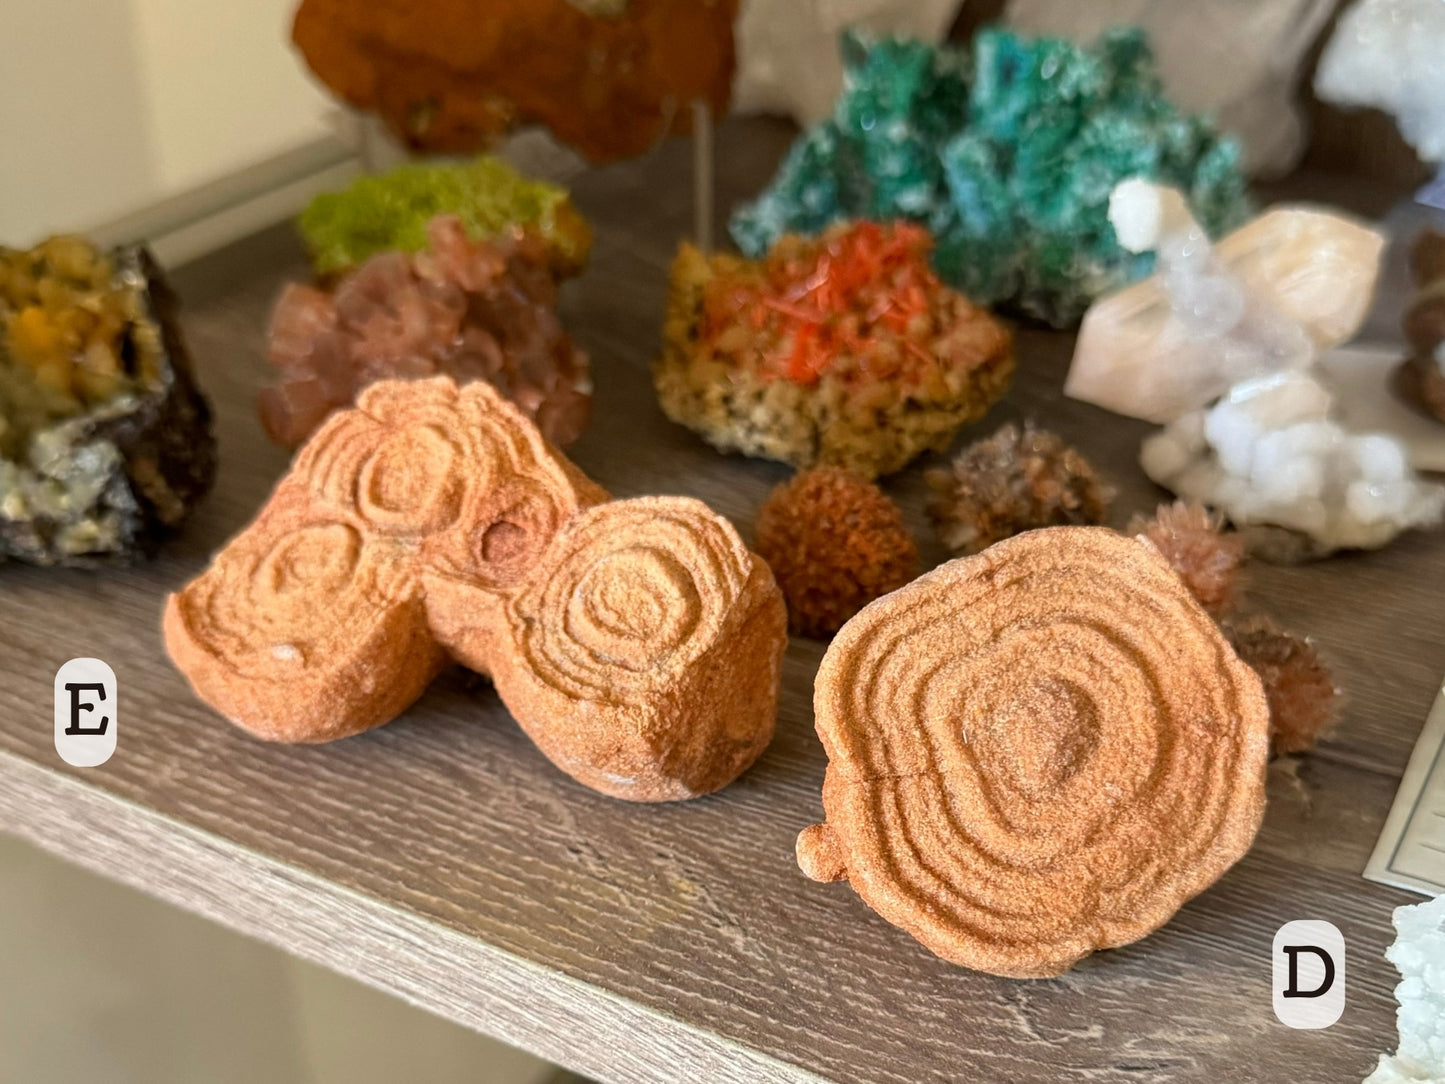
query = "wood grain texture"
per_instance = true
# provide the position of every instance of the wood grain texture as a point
(444, 859)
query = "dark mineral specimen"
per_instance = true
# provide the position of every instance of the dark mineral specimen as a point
(1422, 377)
(1008, 154)
(105, 440)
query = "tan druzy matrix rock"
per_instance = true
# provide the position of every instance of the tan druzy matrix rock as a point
(637, 642)
(1036, 752)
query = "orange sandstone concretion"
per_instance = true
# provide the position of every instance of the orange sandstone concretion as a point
(637, 641)
(1036, 752)
(646, 661)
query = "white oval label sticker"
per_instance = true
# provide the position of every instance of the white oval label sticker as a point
(85, 712)
(1309, 973)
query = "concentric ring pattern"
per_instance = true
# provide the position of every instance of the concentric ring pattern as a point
(304, 617)
(638, 642)
(636, 592)
(1037, 752)
(646, 649)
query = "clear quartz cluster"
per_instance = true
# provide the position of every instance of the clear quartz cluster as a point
(1419, 954)
(1268, 297)
(1231, 333)
(1390, 54)
(1220, 346)
(1269, 454)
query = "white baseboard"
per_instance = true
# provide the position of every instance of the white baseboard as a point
(193, 223)
(211, 216)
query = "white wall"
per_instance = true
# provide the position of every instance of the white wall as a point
(110, 106)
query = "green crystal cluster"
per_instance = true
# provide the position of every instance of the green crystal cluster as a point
(1007, 152)
(390, 211)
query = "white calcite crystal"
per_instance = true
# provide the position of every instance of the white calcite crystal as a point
(1269, 454)
(788, 58)
(1262, 44)
(1267, 298)
(1419, 955)
(1390, 54)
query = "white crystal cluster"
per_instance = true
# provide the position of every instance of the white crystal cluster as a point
(1391, 54)
(1419, 955)
(1221, 345)
(1268, 453)
(1229, 333)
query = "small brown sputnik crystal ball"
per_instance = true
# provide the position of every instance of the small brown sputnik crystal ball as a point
(1192, 539)
(835, 542)
(1017, 480)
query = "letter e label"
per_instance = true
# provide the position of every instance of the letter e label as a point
(85, 712)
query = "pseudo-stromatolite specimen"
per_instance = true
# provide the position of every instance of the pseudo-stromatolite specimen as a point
(1036, 752)
(644, 651)
(638, 641)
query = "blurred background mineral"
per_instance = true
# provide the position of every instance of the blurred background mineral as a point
(1017, 480)
(471, 310)
(105, 441)
(390, 211)
(1422, 376)
(607, 77)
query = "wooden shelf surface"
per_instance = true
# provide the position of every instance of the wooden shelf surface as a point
(443, 859)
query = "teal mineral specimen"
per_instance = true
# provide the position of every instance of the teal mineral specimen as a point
(1008, 153)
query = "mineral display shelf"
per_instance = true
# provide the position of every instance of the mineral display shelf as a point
(441, 858)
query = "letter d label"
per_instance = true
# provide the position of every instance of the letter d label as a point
(1309, 974)
(85, 712)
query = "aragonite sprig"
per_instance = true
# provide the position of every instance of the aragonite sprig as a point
(1300, 689)
(463, 308)
(1194, 542)
(1037, 752)
(638, 642)
(1019, 479)
(1303, 700)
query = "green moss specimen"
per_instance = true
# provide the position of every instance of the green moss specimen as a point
(389, 211)
(1008, 153)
